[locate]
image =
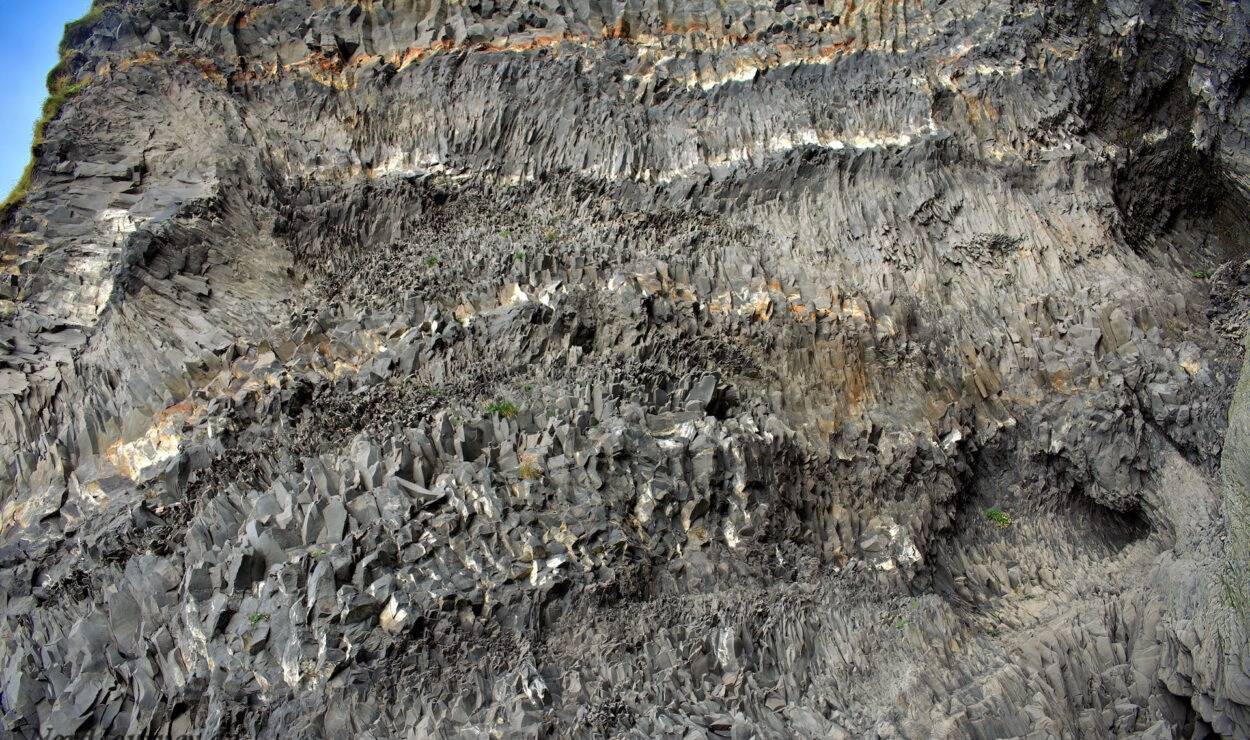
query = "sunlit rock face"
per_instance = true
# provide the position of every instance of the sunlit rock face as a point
(631, 369)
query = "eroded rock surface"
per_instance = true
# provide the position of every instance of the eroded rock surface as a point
(630, 369)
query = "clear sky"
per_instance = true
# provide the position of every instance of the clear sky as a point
(29, 34)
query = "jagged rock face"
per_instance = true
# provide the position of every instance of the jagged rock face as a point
(620, 369)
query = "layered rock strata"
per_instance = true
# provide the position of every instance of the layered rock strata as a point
(631, 369)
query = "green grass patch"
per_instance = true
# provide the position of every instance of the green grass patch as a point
(529, 469)
(506, 409)
(77, 31)
(999, 517)
(61, 88)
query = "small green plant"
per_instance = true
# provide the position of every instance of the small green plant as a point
(1201, 275)
(527, 387)
(316, 553)
(999, 517)
(549, 237)
(529, 469)
(991, 631)
(60, 90)
(506, 234)
(83, 23)
(900, 624)
(506, 409)
(432, 261)
(519, 256)
(257, 617)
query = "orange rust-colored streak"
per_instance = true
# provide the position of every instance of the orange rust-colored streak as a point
(205, 65)
(841, 47)
(118, 460)
(1062, 382)
(856, 382)
(618, 30)
(329, 69)
(684, 29)
(146, 57)
(186, 408)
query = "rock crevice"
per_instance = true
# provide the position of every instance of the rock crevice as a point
(840, 369)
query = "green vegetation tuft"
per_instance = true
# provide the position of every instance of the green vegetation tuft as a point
(257, 617)
(506, 409)
(77, 31)
(529, 469)
(61, 88)
(999, 517)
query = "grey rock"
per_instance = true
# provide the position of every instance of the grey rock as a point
(787, 296)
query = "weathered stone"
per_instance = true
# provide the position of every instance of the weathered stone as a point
(854, 369)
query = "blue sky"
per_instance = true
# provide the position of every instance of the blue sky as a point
(29, 35)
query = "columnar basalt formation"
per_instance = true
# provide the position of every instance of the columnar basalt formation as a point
(631, 369)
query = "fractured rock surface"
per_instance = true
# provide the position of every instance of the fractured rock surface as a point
(631, 369)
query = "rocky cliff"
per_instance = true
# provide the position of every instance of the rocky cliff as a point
(622, 368)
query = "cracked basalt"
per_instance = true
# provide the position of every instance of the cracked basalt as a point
(630, 370)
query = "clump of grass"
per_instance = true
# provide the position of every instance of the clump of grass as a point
(60, 91)
(257, 617)
(506, 409)
(1201, 275)
(529, 469)
(549, 237)
(77, 28)
(61, 87)
(999, 517)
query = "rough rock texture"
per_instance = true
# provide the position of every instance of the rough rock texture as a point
(630, 368)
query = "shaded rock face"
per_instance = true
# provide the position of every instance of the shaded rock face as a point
(630, 369)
